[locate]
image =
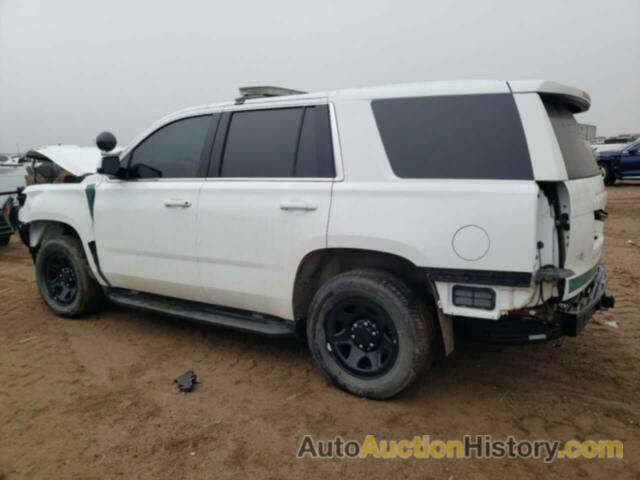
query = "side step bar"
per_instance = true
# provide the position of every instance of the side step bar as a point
(202, 312)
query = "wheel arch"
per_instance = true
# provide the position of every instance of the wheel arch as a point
(320, 265)
(39, 229)
(34, 233)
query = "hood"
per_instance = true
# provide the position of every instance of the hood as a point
(609, 154)
(609, 148)
(76, 160)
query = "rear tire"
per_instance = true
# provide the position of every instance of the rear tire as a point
(370, 333)
(64, 279)
(4, 240)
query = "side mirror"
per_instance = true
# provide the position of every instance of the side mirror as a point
(110, 165)
(106, 141)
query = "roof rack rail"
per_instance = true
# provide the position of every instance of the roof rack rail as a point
(247, 93)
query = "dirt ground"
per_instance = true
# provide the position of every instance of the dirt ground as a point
(95, 398)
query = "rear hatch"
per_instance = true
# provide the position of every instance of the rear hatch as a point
(581, 199)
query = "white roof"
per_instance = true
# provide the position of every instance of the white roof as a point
(579, 99)
(456, 87)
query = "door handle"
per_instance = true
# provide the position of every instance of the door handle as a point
(177, 202)
(298, 205)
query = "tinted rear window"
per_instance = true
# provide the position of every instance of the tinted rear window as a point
(578, 157)
(262, 143)
(461, 136)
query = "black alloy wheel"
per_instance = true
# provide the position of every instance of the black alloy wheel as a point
(362, 337)
(61, 279)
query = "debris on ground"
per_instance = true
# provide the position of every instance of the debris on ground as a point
(28, 339)
(186, 381)
(632, 243)
(611, 323)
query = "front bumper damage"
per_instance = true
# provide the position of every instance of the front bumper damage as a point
(547, 322)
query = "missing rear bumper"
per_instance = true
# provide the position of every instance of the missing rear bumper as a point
(543, 323)
(576, 313)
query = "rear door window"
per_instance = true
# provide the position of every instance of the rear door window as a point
(278, 143)
(578, 157)
(458, 137)
(315, 151)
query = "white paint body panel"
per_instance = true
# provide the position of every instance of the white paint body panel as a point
(64, 203)
(417, 219)
(144, 244)
(250, 248)
(584, 241)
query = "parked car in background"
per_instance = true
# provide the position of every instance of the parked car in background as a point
(620, 164)
(11, 160)
(617, 143)
(624, 138)
(609, 147)
(12, 177)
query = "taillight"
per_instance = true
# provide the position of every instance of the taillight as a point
(7, 207)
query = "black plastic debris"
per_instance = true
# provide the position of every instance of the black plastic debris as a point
(186, 381)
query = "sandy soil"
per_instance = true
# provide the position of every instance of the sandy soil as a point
(95, 398)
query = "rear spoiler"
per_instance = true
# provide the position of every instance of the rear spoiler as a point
(577, 100)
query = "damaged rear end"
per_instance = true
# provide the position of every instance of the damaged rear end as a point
(571, 211)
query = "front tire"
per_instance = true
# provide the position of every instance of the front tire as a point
(608, 176)
(370, 333)
(64, 279)
(4, 240)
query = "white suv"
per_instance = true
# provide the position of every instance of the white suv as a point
(366, 219)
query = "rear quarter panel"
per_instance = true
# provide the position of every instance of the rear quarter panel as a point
(417, 218)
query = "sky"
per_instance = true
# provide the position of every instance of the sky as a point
(70, 69)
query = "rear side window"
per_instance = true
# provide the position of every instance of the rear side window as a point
(459, 137)
(577, 154)
(173, 151)
(285, 142)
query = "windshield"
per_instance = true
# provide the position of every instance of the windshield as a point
(577, 154)
(634, 146)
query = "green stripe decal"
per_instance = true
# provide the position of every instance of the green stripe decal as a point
(577, 282)
(91, 197)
